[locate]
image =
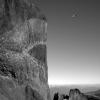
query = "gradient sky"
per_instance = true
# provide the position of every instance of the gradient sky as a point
(73, 42)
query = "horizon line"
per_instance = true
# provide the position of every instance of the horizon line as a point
(54, 85)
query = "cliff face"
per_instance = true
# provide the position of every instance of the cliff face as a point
(23, 59)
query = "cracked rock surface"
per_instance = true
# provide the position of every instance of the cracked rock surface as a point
(23, 53)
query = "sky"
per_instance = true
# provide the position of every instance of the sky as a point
(73, 46)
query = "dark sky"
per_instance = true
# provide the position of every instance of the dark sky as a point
(73, 41)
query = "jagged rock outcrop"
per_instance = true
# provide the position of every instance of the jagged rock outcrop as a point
(75, 94)
(63, 97)
(56, 96)
(23, 57)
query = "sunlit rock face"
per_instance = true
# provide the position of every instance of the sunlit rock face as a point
(23, 57)
(75, 94)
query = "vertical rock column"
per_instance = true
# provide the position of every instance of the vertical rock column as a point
(23, 52)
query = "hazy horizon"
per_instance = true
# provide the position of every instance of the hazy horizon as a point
(73, 48)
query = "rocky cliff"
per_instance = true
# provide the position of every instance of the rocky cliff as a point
(23, 57)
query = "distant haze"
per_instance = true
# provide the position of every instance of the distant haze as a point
(73, 41)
